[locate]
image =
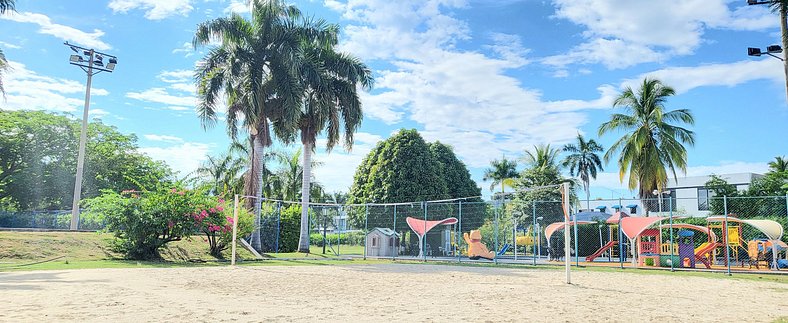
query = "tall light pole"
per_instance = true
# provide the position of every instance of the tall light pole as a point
(781, 7)
(92, 62)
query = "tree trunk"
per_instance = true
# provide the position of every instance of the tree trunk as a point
(784, 29)
(303, 240)
(588, 196)
(258, 173)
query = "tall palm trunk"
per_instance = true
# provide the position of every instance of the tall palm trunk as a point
(784, 29)
(258, 173)
(588, 195)
(303, 240)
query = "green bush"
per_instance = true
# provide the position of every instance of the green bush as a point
(355, 238)
(144, 222)
(289, 228)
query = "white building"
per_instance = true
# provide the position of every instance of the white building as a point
(691, 195)
(685, 196)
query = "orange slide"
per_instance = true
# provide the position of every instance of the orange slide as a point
(703, 252)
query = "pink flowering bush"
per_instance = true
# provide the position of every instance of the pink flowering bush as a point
(215, 219)
(142, 222)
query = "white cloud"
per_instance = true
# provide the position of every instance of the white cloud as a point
(63, 32)
(186, 47)
(183, 157)
(683, 79)
(625, 33)
(154, 9)
(177, 76)
(26, 89)
(98, 113)
(339, 167)
(462, 98)
(164, 138)
(9, 45)
(237, 6)
(160, 95)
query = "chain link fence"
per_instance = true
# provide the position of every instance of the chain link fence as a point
(714, 233)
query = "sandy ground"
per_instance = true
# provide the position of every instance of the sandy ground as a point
(377, 293)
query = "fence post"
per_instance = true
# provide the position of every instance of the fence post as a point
(459, 228)
(495, 251)
(424, 240)
(514, 236)
(621, 256)
(396, 252)
(786, 204)
(726, 236)
(577, 254)
(235, 227)
(366, 222)
(533, 232)
(278, 223)
(670, 208)
(340, 212)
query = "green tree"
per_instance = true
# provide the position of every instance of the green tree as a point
(331, 104)
(255, 67)
(543, 156)
(583, 161)
(779, 165)
(37, 163)
(224, 174)
(455, 173)
(502, 172)
(652, 143)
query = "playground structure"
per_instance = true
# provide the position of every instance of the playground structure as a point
(648, 247)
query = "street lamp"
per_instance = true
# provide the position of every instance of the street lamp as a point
(659, 198)
(783, 9)
(770, 50)
(92, 62)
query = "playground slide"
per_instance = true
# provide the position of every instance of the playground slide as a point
(703, 250)
(504, 249)
(602, 250)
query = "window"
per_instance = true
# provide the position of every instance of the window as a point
(704, 195)
(374, 241)
(668, 202)
(391, 242)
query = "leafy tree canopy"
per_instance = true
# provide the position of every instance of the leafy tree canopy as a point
(38, 161)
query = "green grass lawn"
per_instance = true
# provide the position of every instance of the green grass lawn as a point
(81, 250)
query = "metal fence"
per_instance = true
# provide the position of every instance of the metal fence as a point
(716, 233)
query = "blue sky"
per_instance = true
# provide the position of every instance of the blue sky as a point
(491, 78)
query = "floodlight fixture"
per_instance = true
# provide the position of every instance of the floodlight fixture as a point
(756, 2)
(770, 50)
(774, 49)
(751, 51)
(76, 59)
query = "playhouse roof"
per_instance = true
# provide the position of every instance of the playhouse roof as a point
(633, 227)
(553, 227)
(772, 229)
(386, 231)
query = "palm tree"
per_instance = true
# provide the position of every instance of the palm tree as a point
(291, 173)
(583, 161)
(224, 173)
(501, 172)
(651, 144)
(542, 157)
(779, 165)
(254, 66)
(5, 5)
(331, 103)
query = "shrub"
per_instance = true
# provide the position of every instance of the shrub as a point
(144, 222)
(354, 238)
(215, 219)
(290, 226)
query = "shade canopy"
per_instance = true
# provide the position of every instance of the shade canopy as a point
(616, 217)
(421, 227)
(772, 229)
(553, 227)
(633, 227)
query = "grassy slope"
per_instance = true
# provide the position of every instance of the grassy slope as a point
(92, 250)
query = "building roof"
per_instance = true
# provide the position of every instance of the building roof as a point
(386, 231)
(700, 181)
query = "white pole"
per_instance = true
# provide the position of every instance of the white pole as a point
(83, 137)
(235, 226)
(514, 237)
(567, 236)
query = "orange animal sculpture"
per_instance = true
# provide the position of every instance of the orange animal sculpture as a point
(476, 249)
